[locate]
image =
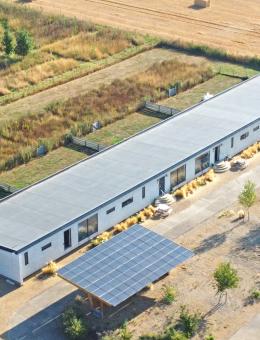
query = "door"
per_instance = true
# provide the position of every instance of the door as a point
(217, 153)
(161, 186)
(67, 238)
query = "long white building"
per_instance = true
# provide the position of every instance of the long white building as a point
(56, 215)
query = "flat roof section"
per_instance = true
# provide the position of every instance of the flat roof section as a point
(51, 204)
(125, 264)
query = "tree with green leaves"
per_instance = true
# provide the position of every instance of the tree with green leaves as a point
(226, 278)
(247, 197)
(24, 43)
(8, 41)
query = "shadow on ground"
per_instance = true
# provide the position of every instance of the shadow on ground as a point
(44, 325)
(6, 288)
(216, 240)
(114, 317)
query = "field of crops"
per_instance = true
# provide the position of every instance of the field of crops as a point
(232, 25)
(63, 49)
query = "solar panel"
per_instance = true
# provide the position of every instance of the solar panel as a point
(125, 264)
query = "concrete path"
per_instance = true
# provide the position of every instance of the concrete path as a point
(251, 331)
(40, 317)
(122, 70)
(208, 201)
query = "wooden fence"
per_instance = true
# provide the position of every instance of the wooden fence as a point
(161, 109)
(87, 144)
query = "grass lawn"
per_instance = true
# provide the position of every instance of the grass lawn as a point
(123, 128)
(193, 96)
(41, 167)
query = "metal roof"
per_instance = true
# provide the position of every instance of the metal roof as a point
(53, 203)
(125, 264)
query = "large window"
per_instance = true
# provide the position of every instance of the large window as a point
(88, 227)
(178, 176)
(201, 163)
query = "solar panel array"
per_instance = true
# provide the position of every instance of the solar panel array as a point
(125, 264)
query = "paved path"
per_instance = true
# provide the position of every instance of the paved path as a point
(251, 331)
(122, 70)
(208, 201)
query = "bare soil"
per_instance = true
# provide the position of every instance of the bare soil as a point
(215, 241)
(233, 25)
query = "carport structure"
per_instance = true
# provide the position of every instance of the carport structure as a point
(122, 266)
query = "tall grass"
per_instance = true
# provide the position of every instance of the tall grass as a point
(60, 38)
(37, 73)
(211, 53)
(75, 116)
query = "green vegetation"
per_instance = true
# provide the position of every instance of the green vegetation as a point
(169, 295)
(76, 47)
(255, 295)
(189, 322)
(212, 53)
(194, 95)
(24, 43)
(74, 324)
(21, 138)
(41, 167)
(124, 333)
(226, 278)
(123, 128)
(247, 197)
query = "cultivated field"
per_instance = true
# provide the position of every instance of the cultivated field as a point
(233, 25)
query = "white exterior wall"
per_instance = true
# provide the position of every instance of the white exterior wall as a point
(10, 266)
(38, 258)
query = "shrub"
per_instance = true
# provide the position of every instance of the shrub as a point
(255, 295)
(189, 322)
(125, 334)
(225, 277)
(74, 325)
(169, 294)
(247, 197)
(50, 269)
(210, 337)
(24, 43)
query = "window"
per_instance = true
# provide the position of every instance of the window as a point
(178, 176)
(26, 258)
(256, 128)
(48, 245)
(202, 162)
(129, 201)
(143, 192)
(88, 227)
(232, 142)
(244, 136)
(109, 211)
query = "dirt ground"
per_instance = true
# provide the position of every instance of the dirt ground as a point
(215, 241)
(233, 25)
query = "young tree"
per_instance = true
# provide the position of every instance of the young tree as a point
(247, 197)
(226, 277)
(24, 43)
(8, 41)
